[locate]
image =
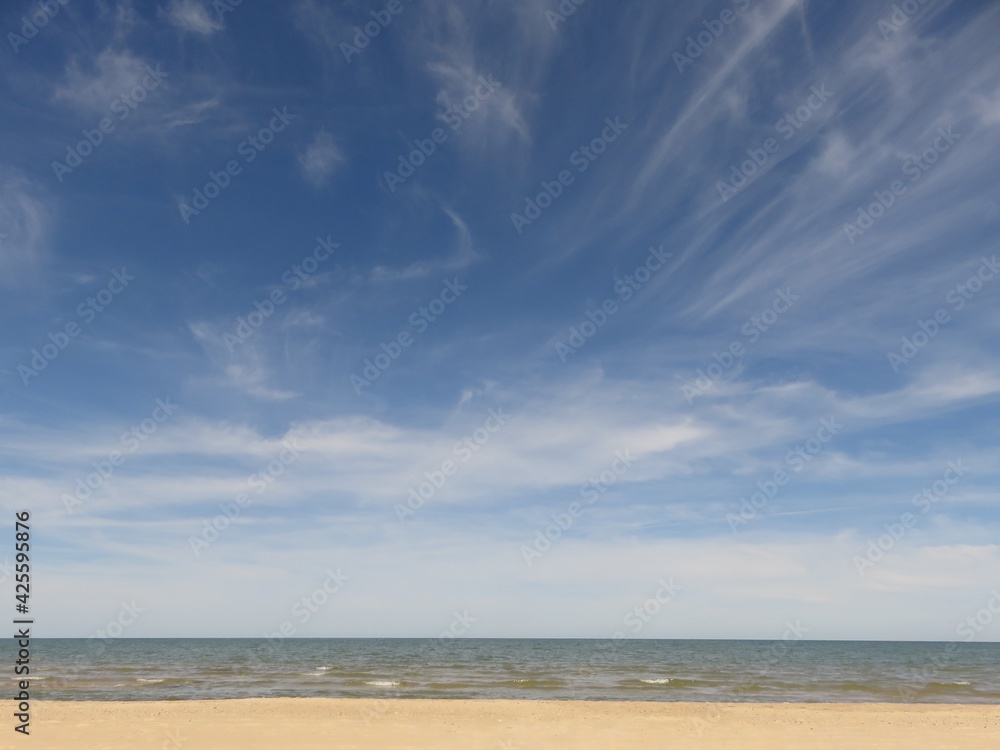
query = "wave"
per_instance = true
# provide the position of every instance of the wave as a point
(944, 688)
(638, 670)
(172, 681)
(532, 683)
(672, 682)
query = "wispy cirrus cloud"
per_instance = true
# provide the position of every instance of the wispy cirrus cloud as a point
(192, 16)
(25, 228)
(90, 87)
(845, 110)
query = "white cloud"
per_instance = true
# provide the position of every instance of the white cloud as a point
(190, 114)
(91, 91)
(239, 363)
(463, 256)
(320, 159)
(352, 471)
(24, 229)
(837, 155)
(193, 16)
(253, 380)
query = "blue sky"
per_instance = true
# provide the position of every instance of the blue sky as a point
(617, 269)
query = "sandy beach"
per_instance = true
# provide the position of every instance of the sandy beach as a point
(306, 723)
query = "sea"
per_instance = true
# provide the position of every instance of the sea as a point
(553, 669)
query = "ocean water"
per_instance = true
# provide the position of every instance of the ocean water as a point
(635, 670)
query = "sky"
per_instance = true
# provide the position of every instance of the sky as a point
(502, 319)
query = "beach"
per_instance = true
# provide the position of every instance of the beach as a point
(347, 724)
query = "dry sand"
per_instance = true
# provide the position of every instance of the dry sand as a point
(333, 724)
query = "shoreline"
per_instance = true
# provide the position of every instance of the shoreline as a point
(450, 724)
